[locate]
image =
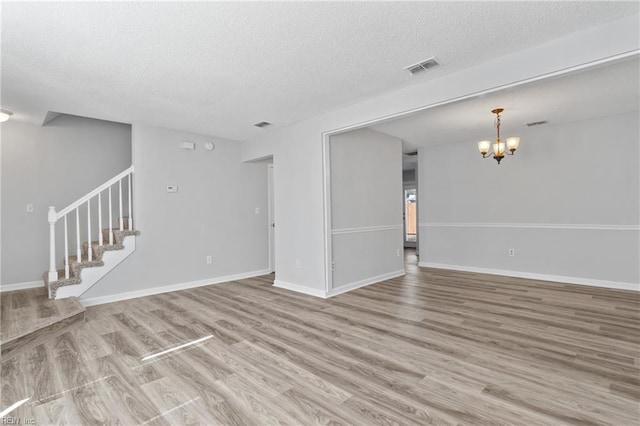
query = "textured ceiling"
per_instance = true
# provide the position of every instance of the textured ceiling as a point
(600, 91)
(216, 68)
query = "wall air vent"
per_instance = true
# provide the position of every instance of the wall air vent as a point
(536, 123)
(262, 124)
(411, 154)
(422, 66)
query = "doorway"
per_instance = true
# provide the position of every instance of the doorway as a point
(410, 214)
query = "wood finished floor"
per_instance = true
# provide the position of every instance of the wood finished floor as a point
(28, 318)
(433, 347)
(23, 311)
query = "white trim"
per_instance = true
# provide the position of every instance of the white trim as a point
(368, 281)
(168, 288)
(21, 286)
(326, 193)
(531, 226)
(365, 229)
(271, 231)
(536, 276)
(299, 288)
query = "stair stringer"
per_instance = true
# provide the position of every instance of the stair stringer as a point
(90, 276)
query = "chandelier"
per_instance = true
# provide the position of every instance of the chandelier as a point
(498, 146)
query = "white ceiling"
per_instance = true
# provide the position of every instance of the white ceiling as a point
(609, 89)
(219, 67)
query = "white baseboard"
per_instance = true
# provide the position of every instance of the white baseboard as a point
(21, 286)
(168, 288)
(535, 276)
(300, 288)
(365, 282)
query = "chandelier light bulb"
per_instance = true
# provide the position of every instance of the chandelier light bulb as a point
(512, 143)
(483, 147)
(498, 148)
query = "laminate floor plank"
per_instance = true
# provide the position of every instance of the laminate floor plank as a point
(430, 347)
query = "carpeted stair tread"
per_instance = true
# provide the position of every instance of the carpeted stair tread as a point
(75, 267)
(97, 250)
(71, 280)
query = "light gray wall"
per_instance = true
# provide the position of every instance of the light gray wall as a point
(366, 206)
(212, 214)
(560, 202)
(297, 149)
(51, 165)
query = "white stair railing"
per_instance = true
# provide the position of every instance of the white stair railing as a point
(54, 217)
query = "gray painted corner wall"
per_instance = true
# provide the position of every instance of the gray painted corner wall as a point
(563, 202)
(212, 214)
(51, 165)
(366, 206)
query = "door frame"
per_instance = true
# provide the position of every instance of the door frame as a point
(271, 218)
(405, 186)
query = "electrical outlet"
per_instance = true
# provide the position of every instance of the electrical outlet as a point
(298, 264)
(29, 208)
(257, 210)
(333, 265)
(209, 260)
(512, 252)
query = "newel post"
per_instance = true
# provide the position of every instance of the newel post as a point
(53, 218)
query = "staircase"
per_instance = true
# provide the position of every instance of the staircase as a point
(30, 317)
(83, 274)
(93, 259)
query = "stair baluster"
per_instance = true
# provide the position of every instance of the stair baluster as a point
(129, 222)
(120, 205)
(99, 220)
(66, 250)
(110, 221)
(78, 246)
(53, 218)
(88, 231)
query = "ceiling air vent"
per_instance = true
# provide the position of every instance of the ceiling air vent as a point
(422, 66)
(262, 124)
(536, 123)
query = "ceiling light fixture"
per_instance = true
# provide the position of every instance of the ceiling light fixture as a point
(498, 146)
(5, 115)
